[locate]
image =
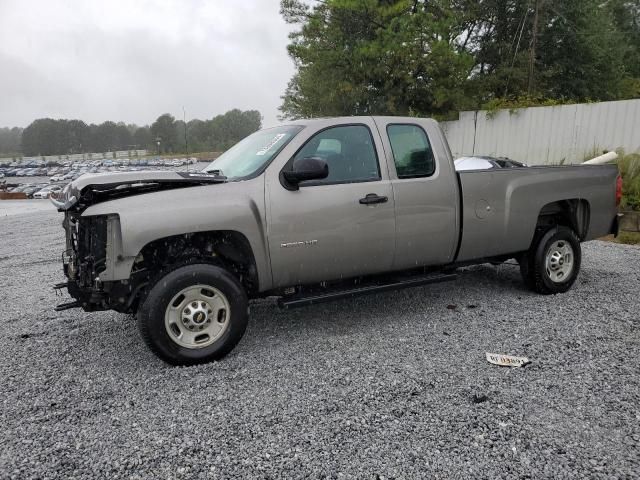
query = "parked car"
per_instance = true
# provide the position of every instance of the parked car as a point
(31, 190)
(311, 211)
(47, 191)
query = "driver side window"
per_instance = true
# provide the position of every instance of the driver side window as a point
(349, 152)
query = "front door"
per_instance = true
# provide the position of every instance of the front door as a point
(339, 227)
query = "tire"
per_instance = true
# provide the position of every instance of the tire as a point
(194, 314)
(552, 264)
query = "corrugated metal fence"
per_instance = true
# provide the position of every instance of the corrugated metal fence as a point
(550, 135)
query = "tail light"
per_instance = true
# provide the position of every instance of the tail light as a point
(618, 190)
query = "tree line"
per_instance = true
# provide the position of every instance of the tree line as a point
(437, 57)
(47, 136)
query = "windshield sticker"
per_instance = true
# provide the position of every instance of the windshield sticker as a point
(271, 144)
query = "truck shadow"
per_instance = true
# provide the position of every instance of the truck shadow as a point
(473, 286)
(479, 288)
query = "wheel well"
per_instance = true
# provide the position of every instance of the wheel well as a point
(228, 249)
(573, 213)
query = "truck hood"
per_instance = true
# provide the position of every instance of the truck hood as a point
(90, 189)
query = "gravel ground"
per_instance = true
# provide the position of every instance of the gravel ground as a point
(388, 386)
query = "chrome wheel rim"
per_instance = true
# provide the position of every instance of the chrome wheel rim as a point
(559, 262)
(197, 316)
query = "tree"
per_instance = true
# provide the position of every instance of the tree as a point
(105, 137)
(164, 128)
(142, 138)
(226, 130)
(47, 136)
(41, 137)
(374, 57)
(405, 57)
(10, 140)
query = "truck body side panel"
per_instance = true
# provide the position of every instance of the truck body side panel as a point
(501, 207)
(427, 208)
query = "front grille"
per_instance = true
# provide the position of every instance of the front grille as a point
(86, 247)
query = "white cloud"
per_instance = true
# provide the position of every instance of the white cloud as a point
(134, 60)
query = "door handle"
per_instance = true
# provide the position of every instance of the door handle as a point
(373, 198)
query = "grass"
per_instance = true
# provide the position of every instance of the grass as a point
(629, 166)
(628, 238)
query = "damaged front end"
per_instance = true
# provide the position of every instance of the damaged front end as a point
(93, 241)
(84, 259)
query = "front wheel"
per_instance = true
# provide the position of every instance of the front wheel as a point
(553, 262)
(194, 314)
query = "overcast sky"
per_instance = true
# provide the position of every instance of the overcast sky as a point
(133, 60)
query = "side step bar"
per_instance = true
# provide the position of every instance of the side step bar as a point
(313, 298)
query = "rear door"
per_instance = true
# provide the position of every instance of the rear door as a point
(425, 189)
(339, 227)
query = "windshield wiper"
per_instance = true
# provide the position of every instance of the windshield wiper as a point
(214, 171)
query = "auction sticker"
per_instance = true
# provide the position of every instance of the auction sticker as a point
(271, 144)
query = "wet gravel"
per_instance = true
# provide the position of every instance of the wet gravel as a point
(389, 386)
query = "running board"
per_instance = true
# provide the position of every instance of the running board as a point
(313, 298)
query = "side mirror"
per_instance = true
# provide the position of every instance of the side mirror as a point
(308, 168)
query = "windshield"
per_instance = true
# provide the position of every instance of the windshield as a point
(251, 154)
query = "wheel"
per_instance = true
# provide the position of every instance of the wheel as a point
(553, 262)
(194, 314)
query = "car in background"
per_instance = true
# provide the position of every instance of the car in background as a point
(20, 188)
(482, 162)
(31, 190)
(47, 191)
(57, 178)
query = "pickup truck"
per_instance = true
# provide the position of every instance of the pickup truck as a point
(311, 211)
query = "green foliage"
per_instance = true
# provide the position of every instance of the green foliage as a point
(48, 136)
(629, 238)
(629, 166)
(164, 130)
(10, 140)
(413, 57)
(374, 57)
(526, 101)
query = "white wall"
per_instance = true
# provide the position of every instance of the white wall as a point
(79, 157)
(540, 135)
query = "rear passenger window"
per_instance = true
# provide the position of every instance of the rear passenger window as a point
(412, 152)
(349, 152)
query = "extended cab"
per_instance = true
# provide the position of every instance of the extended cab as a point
(310, 211)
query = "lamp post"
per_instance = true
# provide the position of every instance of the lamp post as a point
(158, 143)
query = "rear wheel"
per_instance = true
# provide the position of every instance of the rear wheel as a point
(553, 262)
(194, 314)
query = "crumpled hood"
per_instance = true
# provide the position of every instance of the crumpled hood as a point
(90, 189)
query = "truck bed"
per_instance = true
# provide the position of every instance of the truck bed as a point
(500, 208)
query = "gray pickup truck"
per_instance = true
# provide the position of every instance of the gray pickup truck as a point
(310, 211)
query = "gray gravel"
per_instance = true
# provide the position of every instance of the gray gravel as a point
(390, 386)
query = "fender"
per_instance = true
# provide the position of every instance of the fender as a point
(233, 206)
